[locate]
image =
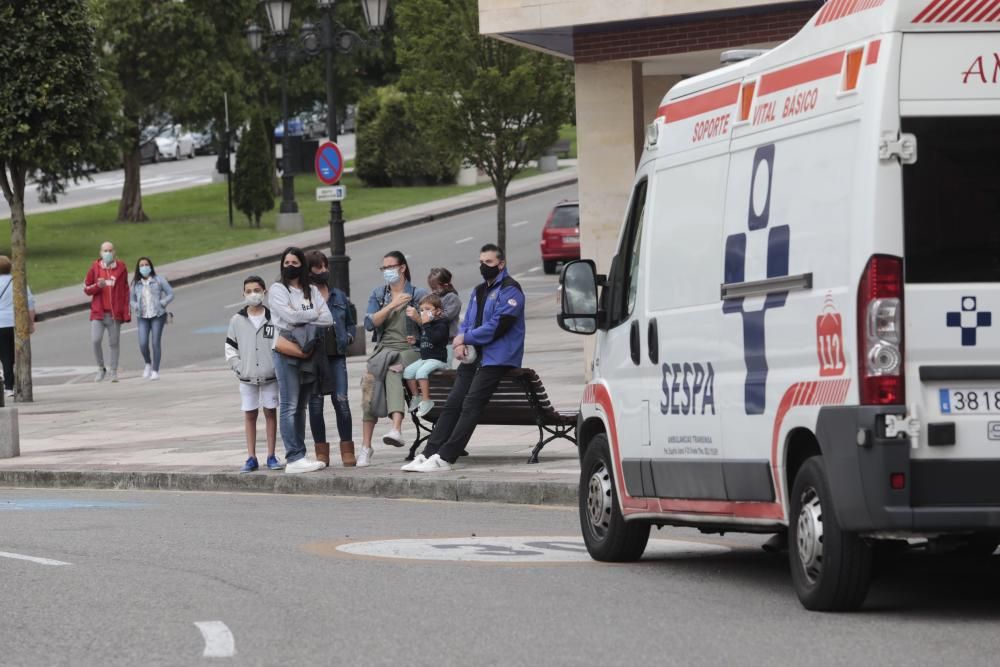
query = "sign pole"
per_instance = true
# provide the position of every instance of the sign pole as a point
(229, 177)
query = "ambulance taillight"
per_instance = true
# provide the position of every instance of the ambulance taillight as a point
(880, 332)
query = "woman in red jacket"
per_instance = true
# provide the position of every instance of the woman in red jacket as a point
(107, 285)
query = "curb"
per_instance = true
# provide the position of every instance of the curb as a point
(58, 311)
(396, 487)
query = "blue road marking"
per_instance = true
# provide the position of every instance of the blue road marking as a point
(17, 505)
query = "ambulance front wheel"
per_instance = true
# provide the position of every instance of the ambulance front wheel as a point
(605, 532)
(831, 568)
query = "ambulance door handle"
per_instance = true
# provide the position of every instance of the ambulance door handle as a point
(653, 342)
(633, 340)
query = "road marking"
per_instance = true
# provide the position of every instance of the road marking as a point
(219, 641)
(534, 268)
(238, 303)
(507, 550)
(520, 224)
(33, 559)
(465, 240)
(128, 331)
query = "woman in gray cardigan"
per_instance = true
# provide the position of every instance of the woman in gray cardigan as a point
(149, 298)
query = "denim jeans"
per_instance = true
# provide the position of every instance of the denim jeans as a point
(341, 406)
(293, 401)
(146, 326)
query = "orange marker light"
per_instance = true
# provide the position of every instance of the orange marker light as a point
(746, 100)
(853, 70)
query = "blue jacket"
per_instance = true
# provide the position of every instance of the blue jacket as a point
(498, 330)
(382, 295)
(162, 295)
(344, 319)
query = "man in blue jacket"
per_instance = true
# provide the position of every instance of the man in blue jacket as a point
(490, 342)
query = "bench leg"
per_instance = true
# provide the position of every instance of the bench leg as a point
(555, 432)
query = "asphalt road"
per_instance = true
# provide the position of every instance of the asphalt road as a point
(159, 177)
(269, 581)
(61, 349)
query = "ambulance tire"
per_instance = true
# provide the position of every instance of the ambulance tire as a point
(608, 536)
(831, 568)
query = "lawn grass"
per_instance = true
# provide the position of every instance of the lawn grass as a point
(569, 132)
(187, 223)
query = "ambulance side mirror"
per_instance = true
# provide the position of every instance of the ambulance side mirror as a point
(578, 282)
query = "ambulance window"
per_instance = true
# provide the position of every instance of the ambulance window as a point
(952, 200)
(625, 284)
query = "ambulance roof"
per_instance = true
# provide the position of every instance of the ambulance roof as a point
(841, 22)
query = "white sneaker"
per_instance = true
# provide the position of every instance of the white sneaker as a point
(153, 375)
(424, 408)
(412, 465)
(9, 393)
(434, 464)
(394, 438)
(101, 374)
(303, 465)
(114, 375)
(146, 370)
(365, 457)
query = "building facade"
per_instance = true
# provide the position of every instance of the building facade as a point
(627, 54)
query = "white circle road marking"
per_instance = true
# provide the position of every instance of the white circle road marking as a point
(219, 641)
(530, 549)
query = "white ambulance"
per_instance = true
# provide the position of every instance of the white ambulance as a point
(796, 334)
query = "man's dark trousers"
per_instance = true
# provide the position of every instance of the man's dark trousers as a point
(473, 388)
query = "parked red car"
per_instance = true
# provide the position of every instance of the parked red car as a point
(561, 235)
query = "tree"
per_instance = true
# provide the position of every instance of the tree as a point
(171, 62)
(502, 104)
(49, 91)
(254, 172)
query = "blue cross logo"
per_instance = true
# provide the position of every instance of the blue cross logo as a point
(758, 219)
(969, 319)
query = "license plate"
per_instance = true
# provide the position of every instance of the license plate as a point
(571, 239)
(970, 401)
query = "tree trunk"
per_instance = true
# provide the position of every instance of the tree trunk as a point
(501, 191)
(18, 247)
(130, 206)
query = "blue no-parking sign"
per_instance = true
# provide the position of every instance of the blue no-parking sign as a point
(329, 163)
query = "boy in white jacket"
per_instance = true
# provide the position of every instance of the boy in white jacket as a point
(248, 353)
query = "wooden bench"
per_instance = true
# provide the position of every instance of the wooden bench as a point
(520, 400)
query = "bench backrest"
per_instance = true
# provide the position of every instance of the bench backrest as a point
(518, 399)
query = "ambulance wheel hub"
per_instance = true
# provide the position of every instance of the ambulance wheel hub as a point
(599, 499)
(810, 535)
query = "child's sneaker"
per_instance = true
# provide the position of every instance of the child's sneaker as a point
(250, 465)
(274, 464)
(424, 408)
(415, 403)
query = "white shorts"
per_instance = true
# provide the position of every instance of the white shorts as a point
(255, 395)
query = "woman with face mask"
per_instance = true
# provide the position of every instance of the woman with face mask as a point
(395, 336)
(294, 303)
(148, 300)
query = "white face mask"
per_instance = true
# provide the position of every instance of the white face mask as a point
(255, 298)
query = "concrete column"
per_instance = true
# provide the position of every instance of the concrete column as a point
(10, 443)
(610, 133)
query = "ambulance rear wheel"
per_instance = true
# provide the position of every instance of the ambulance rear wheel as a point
(831, 567)
(605, 532)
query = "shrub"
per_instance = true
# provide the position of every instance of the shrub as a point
(253, 193)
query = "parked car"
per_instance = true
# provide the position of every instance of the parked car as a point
(561, 235)
(295, 127)
(174, 143)
(148, 150)
(205, 142)
(349, 123)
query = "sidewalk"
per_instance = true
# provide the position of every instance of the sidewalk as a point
(71, 299)
(185, 432)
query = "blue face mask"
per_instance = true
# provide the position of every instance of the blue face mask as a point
(108, 257)
(391, 276)
(145, 270)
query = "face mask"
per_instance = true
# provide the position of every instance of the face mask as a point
(145, 270)
(391, 276)
(291, 272)
(108, 257)
(489, 272)
(255, 298)
(320, 278)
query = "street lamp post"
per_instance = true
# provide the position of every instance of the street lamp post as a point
(332, 38)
